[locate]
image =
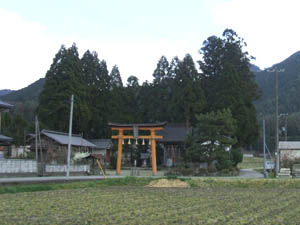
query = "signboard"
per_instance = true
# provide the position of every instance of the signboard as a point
(270, 165)
(136, 132)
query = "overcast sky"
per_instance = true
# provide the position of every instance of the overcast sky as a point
(134, 34)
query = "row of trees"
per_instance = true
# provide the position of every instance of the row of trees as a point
(177, 94)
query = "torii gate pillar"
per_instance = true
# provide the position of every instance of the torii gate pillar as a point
(119, 159)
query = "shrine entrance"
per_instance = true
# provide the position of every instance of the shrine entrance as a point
(135, 129)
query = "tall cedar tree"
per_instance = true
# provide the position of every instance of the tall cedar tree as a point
(130, 100)
(64, 78)
(161, 91)
(161, 71)
(97, 80)
(145, 99)
(116, 107)
(188, 97)
(115, 77)
(229, 83)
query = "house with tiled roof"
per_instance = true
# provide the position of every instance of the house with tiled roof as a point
(289, 150)
(54, 145)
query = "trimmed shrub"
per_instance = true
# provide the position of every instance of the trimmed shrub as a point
(237, 156)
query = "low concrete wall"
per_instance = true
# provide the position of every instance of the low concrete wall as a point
(63, 168)
(30, 166)
(17, 166)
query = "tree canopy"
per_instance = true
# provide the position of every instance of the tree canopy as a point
(228, 82)
(178, 93)
(213, 136)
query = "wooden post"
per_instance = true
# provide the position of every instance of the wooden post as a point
(119, 159)
(153, 145)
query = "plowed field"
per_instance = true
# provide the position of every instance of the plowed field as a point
(149, 205)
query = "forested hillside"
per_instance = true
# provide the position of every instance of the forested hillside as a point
(288, 100)
(5, 92)
(288, 87)
(25, 100)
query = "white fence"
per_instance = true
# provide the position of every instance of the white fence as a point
(30, 166)
(18, 166)
(63, 168)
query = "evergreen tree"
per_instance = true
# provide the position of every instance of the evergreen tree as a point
(161, 71)
(213, 137)
(97, 81)
(174, 67)
(130, 103)
(188, 98)
(64, 78)
(115, 77)
(117, 95)
(14, 126)
(161, 91)
(145, 100)
(133, 82)
(229, 83)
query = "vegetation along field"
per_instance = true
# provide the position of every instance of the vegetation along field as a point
(253, 163)
(207, 201)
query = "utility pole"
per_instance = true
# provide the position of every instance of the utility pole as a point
(41, 149)
(276, 71)
(276, 123)
(36, 139)
(286, 126)
(264, 143)
(70, 136)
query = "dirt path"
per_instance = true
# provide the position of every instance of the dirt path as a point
(250, 173)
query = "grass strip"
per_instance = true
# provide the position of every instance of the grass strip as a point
(127, 181)
(135, 181)
(245, 183)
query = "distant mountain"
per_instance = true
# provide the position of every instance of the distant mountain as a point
(254, 68)
(30, 92)
(25, 100)
(5, 92)
(288, 87)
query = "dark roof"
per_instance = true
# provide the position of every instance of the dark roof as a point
(5, 138)
(63, 138)
(162, 124)
(102, 143)
(4, 105)
(173, 133)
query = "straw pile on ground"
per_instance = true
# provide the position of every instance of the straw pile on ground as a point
(168, 183)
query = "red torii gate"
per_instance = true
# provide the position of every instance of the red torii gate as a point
(136, 128)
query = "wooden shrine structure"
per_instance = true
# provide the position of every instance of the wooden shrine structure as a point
(136, 128)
